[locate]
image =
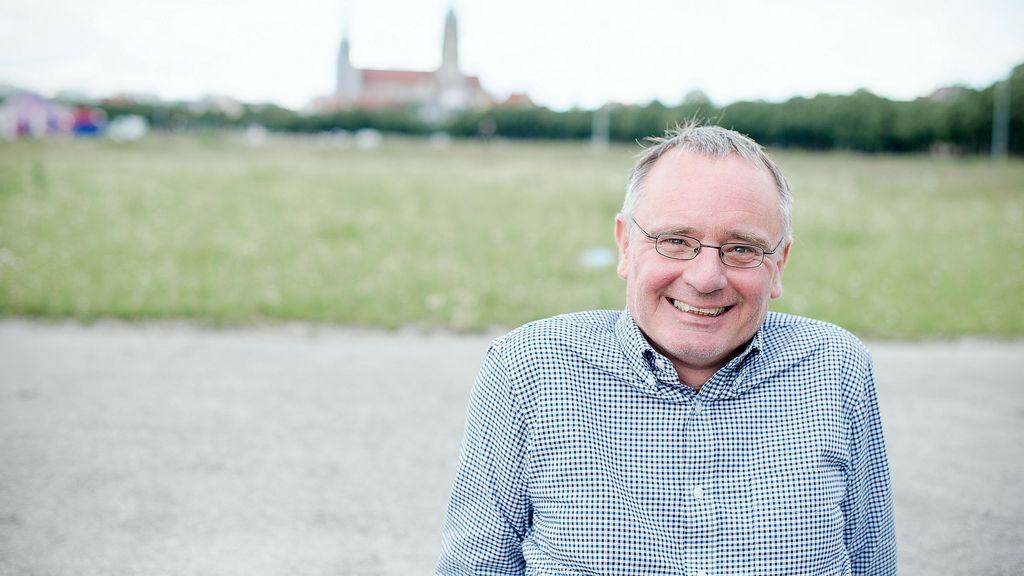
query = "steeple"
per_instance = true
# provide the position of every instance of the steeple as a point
(350, 85)
(343, 50)
(452, 93)
(450, 52)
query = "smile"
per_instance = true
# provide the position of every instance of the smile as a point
(712, 312)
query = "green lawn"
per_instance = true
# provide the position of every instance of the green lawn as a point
(473, 236)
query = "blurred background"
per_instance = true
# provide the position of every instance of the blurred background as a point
(251, 253)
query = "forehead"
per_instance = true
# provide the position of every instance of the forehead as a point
(687, 182)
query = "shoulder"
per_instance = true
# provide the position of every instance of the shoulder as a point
(790, 331)
(789, 338)
(564, 335)
(568, 346)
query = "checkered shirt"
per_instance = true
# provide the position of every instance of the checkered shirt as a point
(583, 454)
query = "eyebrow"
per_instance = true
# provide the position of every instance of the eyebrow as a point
(753, 239)
(736, 236)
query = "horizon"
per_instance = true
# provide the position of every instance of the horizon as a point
(570, 58)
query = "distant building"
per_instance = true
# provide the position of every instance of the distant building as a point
(947, 93)
(434, 94)
(28, 115)
(518, 100)
(88, 121)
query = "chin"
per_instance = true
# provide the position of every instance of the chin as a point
(699, 357)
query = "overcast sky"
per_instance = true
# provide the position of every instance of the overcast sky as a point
(562, 53)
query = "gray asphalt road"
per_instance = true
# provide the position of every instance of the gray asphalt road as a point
(167, 449)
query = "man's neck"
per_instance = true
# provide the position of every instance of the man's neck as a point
(694, 378)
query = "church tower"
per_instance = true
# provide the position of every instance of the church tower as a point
(434, 94)
(350, 80)
(452, 93)
(450, 50)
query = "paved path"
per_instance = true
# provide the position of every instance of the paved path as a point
(166, 449)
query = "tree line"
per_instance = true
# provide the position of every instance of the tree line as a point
(957, 120)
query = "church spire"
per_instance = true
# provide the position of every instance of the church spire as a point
(349, 86)
(450, 53)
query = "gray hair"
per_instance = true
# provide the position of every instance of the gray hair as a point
(712, 142)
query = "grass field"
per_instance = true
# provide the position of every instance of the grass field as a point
(470, 237)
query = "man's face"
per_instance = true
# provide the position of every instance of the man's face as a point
(700, 312)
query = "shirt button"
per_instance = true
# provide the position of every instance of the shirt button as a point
(697, 406)
(698, 493)
(651, 380)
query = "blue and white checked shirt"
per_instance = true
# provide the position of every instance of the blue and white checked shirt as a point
(583, 454)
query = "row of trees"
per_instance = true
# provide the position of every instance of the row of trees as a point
(959, 119)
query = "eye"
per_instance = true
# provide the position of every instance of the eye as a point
(741, 255)
(741, 249)
(677, 246)
(676, 242)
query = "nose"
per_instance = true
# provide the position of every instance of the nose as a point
(705, 273)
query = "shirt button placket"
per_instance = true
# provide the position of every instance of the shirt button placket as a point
(700, 506)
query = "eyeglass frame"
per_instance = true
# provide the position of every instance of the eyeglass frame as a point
(700, 245)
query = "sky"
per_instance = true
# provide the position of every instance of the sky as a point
(563, 53)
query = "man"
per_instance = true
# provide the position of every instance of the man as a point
(693, 433)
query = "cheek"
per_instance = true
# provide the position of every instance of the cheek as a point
(655, 276)
(646, 286)
(758, 291)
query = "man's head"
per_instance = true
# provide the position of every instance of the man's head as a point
(712, 142)
(716, 187)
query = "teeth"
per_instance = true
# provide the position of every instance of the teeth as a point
(701, 311)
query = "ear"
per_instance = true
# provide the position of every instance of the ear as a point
(622, 240)
(777, 267)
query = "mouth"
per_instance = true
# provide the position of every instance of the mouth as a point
(708, 312)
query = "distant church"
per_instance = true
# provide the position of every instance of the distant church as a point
(433, 94)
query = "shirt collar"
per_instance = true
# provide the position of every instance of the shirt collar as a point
(736, 377)
(638, 352)
(644, 361)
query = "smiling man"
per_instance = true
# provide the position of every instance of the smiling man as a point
(693, 433)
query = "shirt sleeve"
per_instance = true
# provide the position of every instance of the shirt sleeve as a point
(488, 511)
(870, 532)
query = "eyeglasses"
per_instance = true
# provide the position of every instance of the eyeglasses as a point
(681, 247)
